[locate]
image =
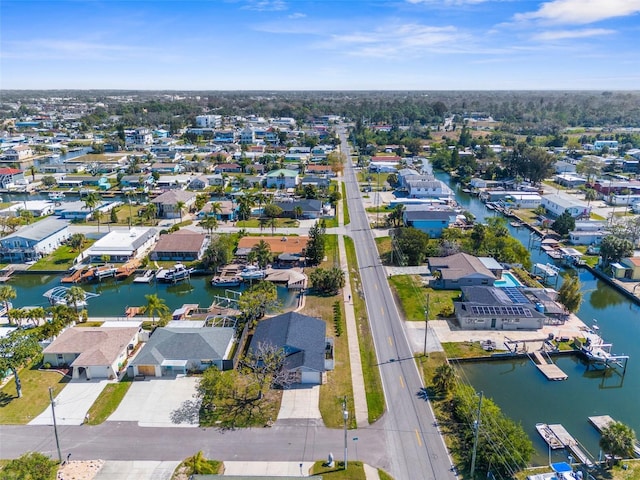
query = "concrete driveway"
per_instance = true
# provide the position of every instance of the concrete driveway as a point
(138, 470)
(160, 402)
(73, 402)
(300, 402)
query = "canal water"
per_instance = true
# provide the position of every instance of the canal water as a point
(115, 296)
(526, 396)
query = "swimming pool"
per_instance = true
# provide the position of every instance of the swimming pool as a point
(507, 280)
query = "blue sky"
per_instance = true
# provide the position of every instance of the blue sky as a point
(324, 44)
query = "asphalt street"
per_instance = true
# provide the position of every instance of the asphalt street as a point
(414, 446)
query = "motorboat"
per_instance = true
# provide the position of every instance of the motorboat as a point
(226, 281)
(252, 272)
(56, 195)
(177, 273)
(549, 436)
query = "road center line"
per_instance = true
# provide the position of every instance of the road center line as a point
(390, 342)
(418, 437)
(401, 382)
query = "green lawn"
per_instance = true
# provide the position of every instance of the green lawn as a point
(355, 471)
(465, 350)
(108, 401)
(280, 223)
(372, 381)
(345, 206)
(35, 395)
(61, 259)
(384, 249)
(412, 297)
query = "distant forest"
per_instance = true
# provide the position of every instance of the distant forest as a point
(521, 112)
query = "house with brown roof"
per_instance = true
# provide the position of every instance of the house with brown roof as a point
(320, 170)
(227, 168)
(181, 245)
(96, 352)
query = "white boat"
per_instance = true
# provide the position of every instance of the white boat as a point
(58, 296)
(56, 195)
(226, 281)
(252, 272)
(177, 273)
(146, 277)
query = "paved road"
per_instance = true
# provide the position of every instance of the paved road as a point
(414, 447)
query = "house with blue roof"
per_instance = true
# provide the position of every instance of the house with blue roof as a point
(427, 219)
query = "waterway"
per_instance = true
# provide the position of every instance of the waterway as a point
(115, 296)
(526, 396)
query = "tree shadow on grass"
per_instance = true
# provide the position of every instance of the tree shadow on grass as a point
(5, 399)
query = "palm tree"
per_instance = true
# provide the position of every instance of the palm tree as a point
(617, 439)
(155, 305)
(128, 195)
(297, 211)
(216, 208)
(91, 202)
(150, 211)
(180, 206)
(75, 296)
(210, 224)
(7, 292)
(76, 241)
(262, 253)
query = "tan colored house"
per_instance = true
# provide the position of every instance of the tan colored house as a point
(181, 245)
(627, 268)
(97, 352)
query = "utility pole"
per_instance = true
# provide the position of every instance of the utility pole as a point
(426, 326)
(476, 426)
(55, 426)
(345, 416)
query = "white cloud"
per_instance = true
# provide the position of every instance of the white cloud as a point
(265, 5)
(580, 12)
(293, 16)
(570, 34)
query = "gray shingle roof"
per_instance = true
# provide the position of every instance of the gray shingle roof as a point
(185, 344)
(301, 336)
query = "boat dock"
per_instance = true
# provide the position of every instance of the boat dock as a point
(145, 277)
(600, 422)
(127, 268)
(545, 432)
(5, 273)
(74, 277)
(547, 367)
(571, 444)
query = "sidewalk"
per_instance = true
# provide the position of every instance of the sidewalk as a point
(357, 377)
(281, 469)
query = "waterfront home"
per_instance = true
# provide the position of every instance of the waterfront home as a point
(308, 351)
(17, 153)
(140, 180)
(176, 351)
(278, 245)
(382, 164)
(282, 178)
(319, 182)
(166, 168)
(556, 205)
(588, 233)
(167, 203)
(459, 270)
(216, 180)
(491, 308)
(121, 246)
(227, 168)
(78, 210)
(34, 241)
(404, 175)
(320, 170)
(522, 200)
(428, 219)
(627, 269)
(92, 352)
(427, 186)
(38, 208)
(10, 176)
(198, 183)
(182, 245)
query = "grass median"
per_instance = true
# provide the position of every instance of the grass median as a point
(370, 371)
(108, 401)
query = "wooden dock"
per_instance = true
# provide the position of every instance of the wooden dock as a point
(5, 273)
(600, 422)
(547, 367)
(73, 278)
(571, 444)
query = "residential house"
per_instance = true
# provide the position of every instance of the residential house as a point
(78, 210)
(491, 308)
(588, 233)
(308, 208)
(627, 269)
(247, 135)
(320, 170)
(556, 205)
(522, 200)
(404, 175)
(10, 176)
(95, 352)
(167, 203)
(17, 153)
(383, 164)
(182, 245)
(216, 180)
(209, 121)
(227, 168)
(459, 270)
(173, 182)
(198, 183)
(228, 211)
(177, 351)
(37, 208)
(166, 168)
(34, 241)
(121, 246)
(570, 180)
(427, 219)
(427, 186)
(319, 182)
(303, 340)
(137, 181)
(282, 178)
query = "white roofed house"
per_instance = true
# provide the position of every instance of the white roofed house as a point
(34, 241)
(589, 233)
(121, 246)
(426, 186)
(556, 205)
